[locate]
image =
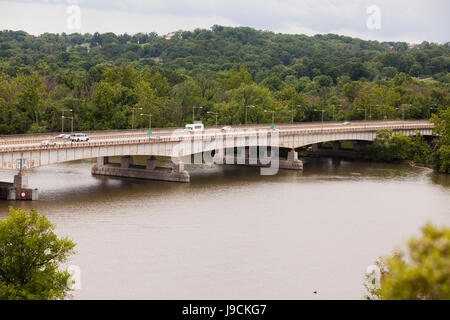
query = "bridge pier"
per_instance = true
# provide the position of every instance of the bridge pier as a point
(19, 189)
(249, 158)
(126, 169)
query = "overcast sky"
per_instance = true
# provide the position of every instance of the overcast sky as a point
(399, 20)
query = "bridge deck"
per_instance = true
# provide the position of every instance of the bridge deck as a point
(23, 143)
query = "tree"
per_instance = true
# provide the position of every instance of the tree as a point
(422, 273)
(30, 255)
(442, 149)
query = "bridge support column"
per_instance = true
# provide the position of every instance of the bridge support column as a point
(315, 147)
(336, 146)
(127, 162)
(357, 146)
(19, 189)
(291, 162)
(102, 161)
(126, 169)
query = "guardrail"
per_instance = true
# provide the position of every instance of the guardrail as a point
(119, 140)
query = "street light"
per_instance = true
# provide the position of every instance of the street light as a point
(334, 107)
(215, 113)
(246, 112)
(149, 115)
(365, 113)
(193, 112)
(71, 129)
(435, 108)
(403, 111)
(370, 111)
(322, 115)
(292, 112)
(132, 118)
(62, 119)
(273, 115)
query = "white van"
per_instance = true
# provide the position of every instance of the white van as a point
(79, 137)
(194, 127)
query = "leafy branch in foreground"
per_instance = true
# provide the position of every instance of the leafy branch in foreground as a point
(423, 273)
(30, 255)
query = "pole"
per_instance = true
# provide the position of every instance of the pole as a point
(62, 121)
(292, 115)
(246, 110)
(132, 119)
(72, 123)
(150, 122)
(322, 118)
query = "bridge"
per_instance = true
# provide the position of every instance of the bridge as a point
(255, 144)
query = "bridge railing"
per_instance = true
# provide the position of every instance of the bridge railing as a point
(251, 132)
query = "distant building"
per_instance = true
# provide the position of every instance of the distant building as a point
(170, 35)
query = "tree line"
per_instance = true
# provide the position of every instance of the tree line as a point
(105, 79)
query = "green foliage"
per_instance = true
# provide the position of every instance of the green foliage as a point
(388, 147)
(107, 80)
(421, 273)
(441, 158)
(30, 254)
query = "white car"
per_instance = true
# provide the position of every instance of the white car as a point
(79, 137)
(48, 143)
(346, 123)
(63, 136)
(226, 128)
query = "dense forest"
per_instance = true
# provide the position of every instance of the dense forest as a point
(103, 79)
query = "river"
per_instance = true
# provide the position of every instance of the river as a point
(233, 234)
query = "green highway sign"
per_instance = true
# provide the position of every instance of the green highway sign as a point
(149, 131)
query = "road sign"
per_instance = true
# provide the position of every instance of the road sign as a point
(149, 132)
(21, 164)
(272, 127)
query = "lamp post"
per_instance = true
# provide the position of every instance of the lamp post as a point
(403, 111)
(322, 115)
(365, 113)
(334, 107)
(132, 117)
(149, 115)
(370, 112)
(71, 125)
(292, 112)
(193, 112)
(246, 112)
(435, 108)
(62, 119)
(273, 115)
(216, 114)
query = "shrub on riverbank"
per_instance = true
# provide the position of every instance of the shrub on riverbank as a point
(398, 147)
(441, 154)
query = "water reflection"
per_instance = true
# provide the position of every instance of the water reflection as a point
(232, 233)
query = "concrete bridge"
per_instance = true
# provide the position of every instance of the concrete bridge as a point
(23, 152)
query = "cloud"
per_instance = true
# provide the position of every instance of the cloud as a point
(401, 20)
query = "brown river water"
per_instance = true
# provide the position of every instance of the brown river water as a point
(234, 234)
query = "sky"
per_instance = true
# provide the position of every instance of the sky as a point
(385, 20)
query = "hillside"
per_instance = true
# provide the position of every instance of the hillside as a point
(102, 78)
